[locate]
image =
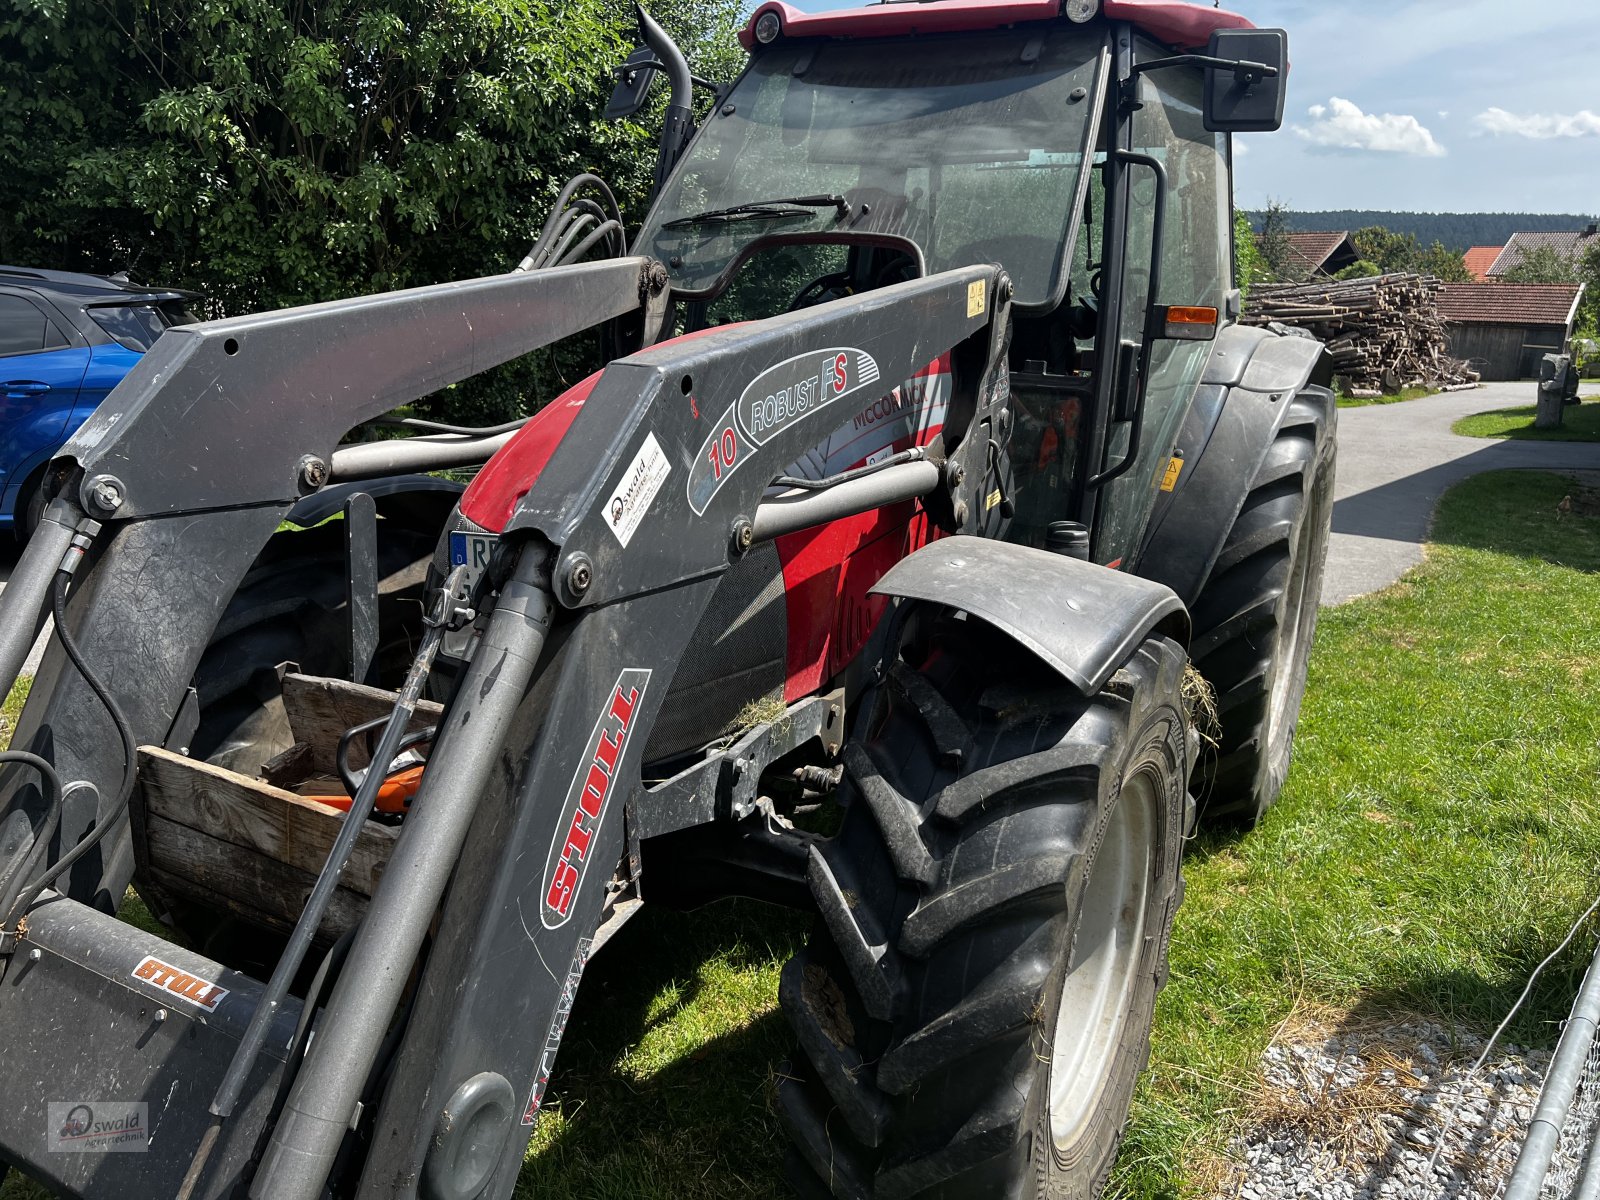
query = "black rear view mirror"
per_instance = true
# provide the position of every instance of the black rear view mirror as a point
(634, 78)
(1244, 94)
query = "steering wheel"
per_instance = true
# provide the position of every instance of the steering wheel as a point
(817, 290)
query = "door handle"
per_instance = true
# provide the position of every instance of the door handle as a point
(19, 389)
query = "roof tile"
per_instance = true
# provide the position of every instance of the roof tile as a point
(1508, 303)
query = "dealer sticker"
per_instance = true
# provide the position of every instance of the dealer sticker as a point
(640, 483)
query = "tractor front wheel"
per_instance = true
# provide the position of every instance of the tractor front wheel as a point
(975, 1005)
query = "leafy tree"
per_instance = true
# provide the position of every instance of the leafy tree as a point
(1388, 251)
(1542, 264)
(1279, 261)
(1360, 269)
(1446, 264)
(1247, 264)
(269, 152)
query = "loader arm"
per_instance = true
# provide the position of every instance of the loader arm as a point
(521, 807)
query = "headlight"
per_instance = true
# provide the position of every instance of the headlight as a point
(769, 27)
(1080, 11)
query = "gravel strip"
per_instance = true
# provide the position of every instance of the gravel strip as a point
(1357, 1114)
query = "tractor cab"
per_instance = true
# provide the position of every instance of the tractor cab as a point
(1087, 153)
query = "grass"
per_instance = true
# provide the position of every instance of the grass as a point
(1410, 393)
(1579, 423)
(1437, 837)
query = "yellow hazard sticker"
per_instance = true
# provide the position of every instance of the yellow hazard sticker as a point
(976, 298)
(994, 498)
(1170, 479)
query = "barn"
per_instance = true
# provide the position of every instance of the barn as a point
(1504, 329)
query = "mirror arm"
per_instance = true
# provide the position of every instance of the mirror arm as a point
(1243, 70)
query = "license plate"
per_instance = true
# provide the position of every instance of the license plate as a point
(473, 550)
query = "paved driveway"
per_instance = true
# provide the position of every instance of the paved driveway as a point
(1396, 460)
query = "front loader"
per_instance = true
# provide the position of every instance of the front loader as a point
(873, 575)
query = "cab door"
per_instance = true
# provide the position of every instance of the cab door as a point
(1165, 126)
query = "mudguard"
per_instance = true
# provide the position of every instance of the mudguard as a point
(1082, 619)
(1241, 403)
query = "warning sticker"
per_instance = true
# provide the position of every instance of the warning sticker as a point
(640, 483)
(976, 298)
(1170, 479)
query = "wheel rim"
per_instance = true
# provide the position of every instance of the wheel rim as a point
(1105, 962)
(1298, 618)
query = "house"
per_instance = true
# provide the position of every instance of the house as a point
(1322, 253)
(1479, 259)
(1504, 329)
(1567, 243)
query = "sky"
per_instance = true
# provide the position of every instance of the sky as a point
(1427, 106)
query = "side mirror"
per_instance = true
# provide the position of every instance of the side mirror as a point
(1240, 96)
(634, 78)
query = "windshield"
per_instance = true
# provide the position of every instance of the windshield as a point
(972, 147)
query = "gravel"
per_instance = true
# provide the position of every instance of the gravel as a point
(1357, 1115)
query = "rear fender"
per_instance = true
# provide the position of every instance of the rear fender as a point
(1080, 618)
(1243, 400)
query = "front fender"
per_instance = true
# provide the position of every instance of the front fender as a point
(1081, 619)
(1242, 402)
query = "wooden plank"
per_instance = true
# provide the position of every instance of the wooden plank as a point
(321, 709)
(250, 885)
(254, 816)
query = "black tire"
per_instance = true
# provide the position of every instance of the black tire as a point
(1257, 614)
(996, 821)
(290, 607)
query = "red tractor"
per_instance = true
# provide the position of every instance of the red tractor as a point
(930, 480)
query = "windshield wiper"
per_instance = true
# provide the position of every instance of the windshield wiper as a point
(765, 208)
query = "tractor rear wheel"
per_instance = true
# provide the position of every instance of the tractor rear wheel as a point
(975, 1004)
(1255, 617)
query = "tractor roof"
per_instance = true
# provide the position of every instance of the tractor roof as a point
(1170, 21)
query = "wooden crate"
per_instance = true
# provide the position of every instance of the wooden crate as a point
(252, 847)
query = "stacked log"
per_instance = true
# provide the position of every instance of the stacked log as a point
(1383, 333)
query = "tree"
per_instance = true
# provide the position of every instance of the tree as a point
(1247, 263)
(278, 152)
(1445, 264)
(1388, 251)
(1360, 269)
(1542, 264)
(1280, 263)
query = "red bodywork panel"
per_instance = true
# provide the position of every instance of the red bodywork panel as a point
(1171, 22)
(827, 571)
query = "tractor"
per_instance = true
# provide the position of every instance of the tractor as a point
(934, 547)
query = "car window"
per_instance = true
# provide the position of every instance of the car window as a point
(26, 330)
(133, 326)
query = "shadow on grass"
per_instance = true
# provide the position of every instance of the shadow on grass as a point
(664, 1081)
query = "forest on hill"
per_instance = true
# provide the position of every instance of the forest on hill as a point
(1457, 231)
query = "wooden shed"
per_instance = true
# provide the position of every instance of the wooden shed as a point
(1504, 329)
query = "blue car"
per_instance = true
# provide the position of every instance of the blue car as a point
(65, 341)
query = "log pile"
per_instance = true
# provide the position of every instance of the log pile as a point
(1384, 333)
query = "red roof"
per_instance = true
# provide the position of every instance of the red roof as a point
(1479, 259)
(1169, 21)
(1509, 303)
(1315, 248)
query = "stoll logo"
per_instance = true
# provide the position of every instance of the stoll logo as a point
(97, 1126)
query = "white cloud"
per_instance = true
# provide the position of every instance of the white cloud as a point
(1341, 125)
(1539, 125)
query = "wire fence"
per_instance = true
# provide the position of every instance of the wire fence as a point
(1560, 1158)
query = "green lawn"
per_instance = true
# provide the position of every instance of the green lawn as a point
(1580, 423)
(1410, 393)
(1437, 837)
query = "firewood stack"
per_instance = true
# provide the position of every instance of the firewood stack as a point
(1384, 333)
